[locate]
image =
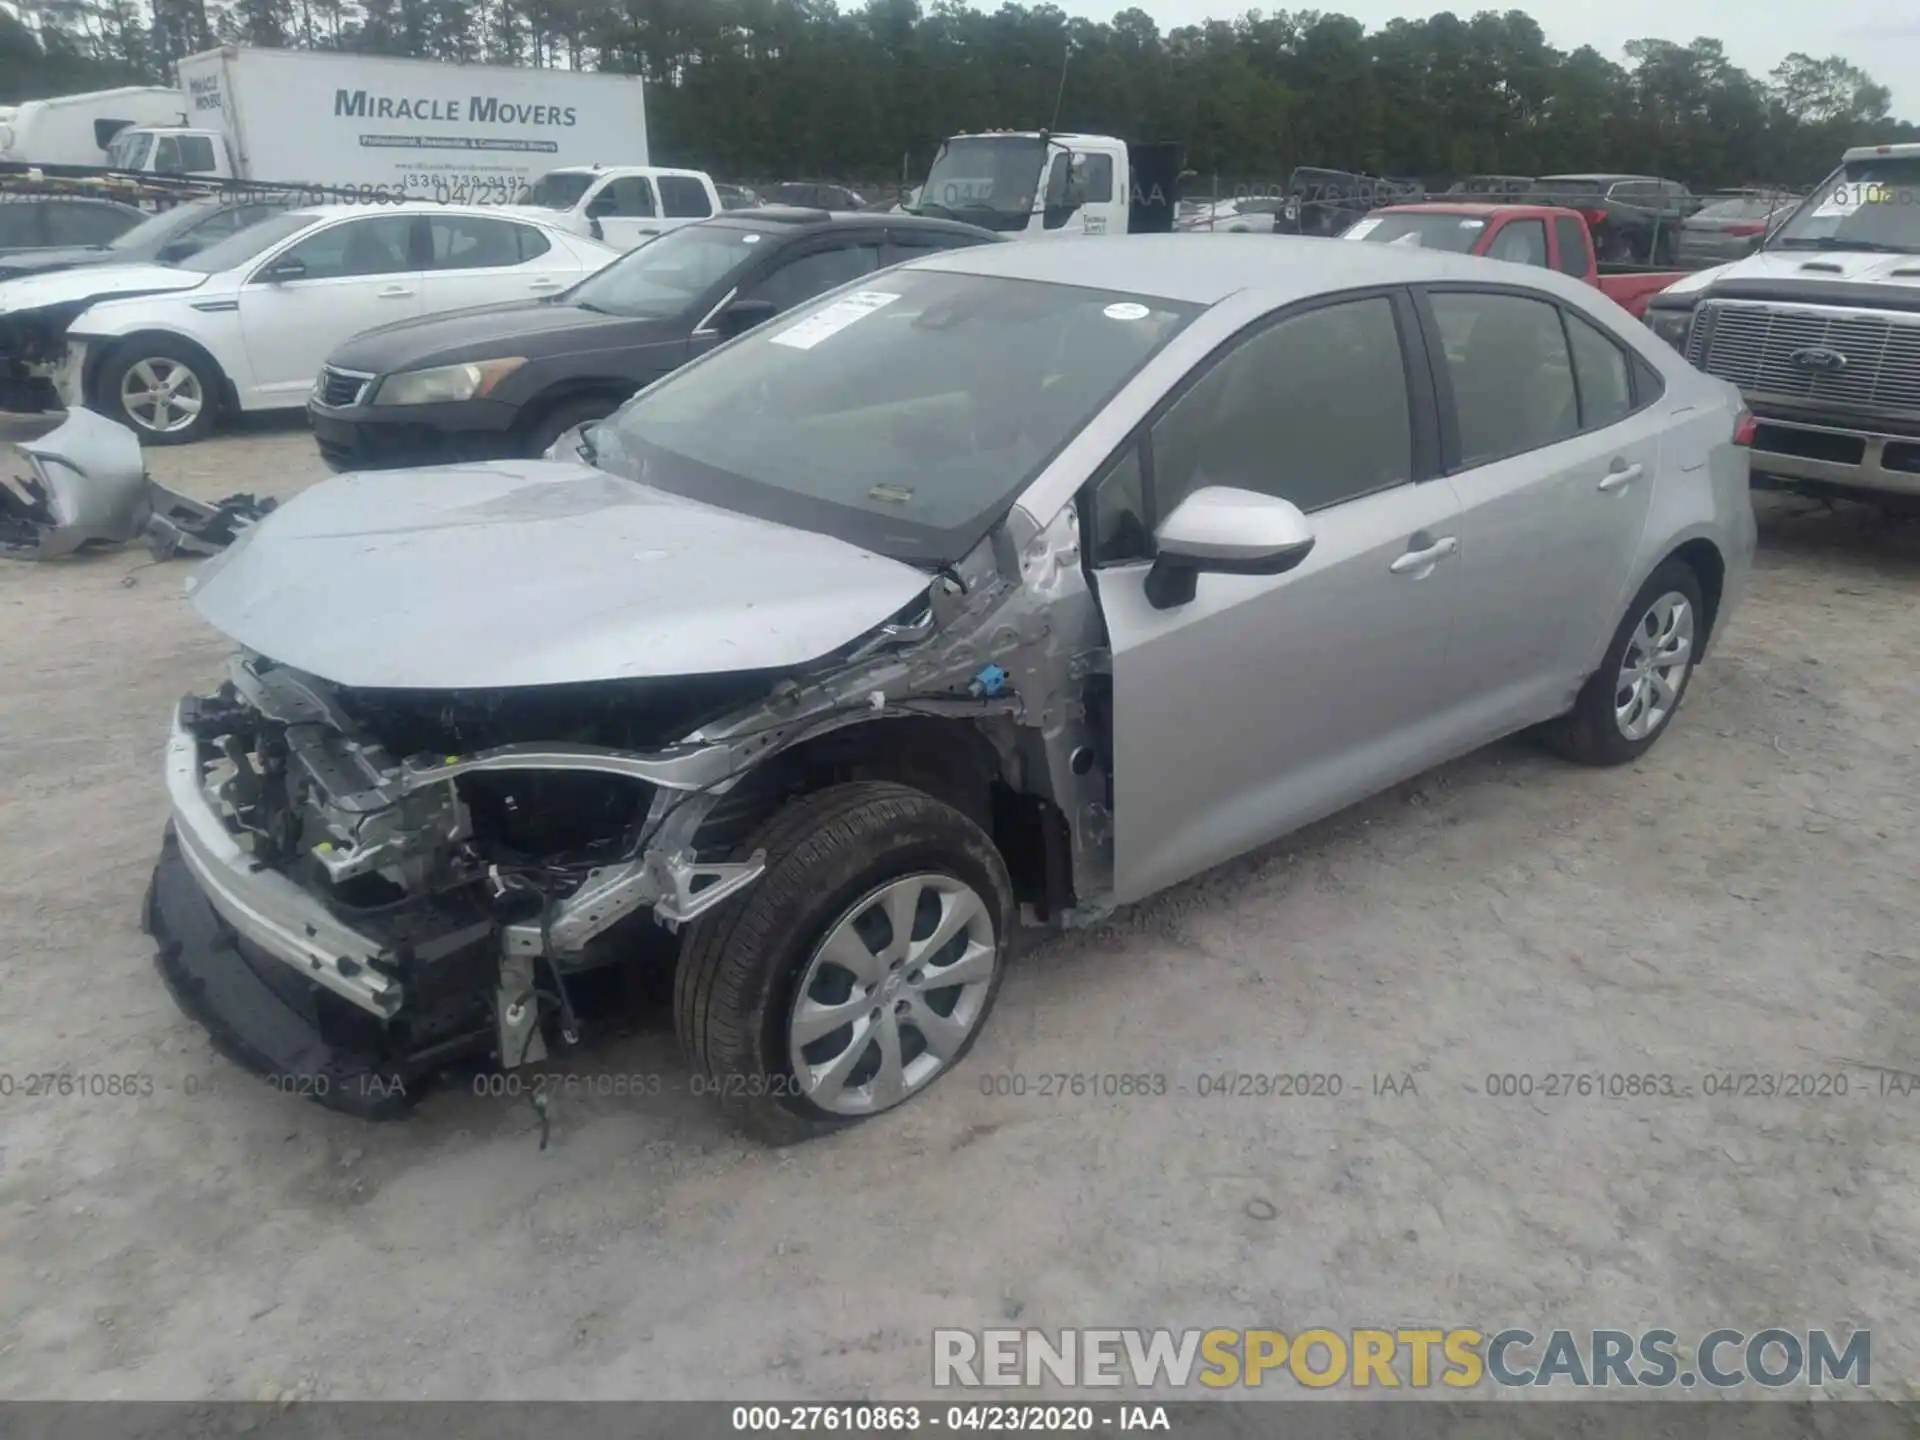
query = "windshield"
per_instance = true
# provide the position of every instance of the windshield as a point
(557, 189)
(664, 279)
(903, 416)
(158, 229)
(1458, 233)
(997, 174)
(243, 245)
(1871, 204)
(128, 150)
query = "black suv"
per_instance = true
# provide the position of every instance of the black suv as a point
(501, 381)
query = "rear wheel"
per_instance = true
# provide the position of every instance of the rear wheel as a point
(859, 969)
(164, 390)
(1630, 700)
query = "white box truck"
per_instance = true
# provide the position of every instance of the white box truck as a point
(76, 129)
(462, 133)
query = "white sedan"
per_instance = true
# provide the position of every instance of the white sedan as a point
(245, 324)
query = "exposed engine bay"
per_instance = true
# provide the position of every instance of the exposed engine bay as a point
(424, 874)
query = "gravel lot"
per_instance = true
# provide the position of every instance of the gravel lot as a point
(1742, 901)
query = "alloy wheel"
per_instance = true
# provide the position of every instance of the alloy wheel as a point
(1654, 667)
(891, 994)
(162, 395)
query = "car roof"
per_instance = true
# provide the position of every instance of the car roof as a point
(1205, 270)
(800, 218)
(417, 207)
(1599, 175)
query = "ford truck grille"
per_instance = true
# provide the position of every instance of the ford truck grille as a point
(1789, 353)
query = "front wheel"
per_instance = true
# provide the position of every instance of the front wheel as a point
(164, 390)
(856, 972)
(1630, 700)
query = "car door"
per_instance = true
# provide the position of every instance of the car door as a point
(1554, 469)
(800, 272)
(302, 301)
(479, 259)
(1264, 702)
(626, 211)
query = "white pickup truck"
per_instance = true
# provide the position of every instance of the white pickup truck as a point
(621, 205)
(1039, 185)
(1820, 329)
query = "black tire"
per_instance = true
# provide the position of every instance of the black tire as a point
(1590, 733)
(542, 434)
(162, 352)
(741, 964)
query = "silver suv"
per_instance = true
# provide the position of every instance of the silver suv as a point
(998, 590)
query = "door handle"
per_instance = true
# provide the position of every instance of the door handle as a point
(1622, 476)
(544, 284)
(396, 292)
(1418, 562)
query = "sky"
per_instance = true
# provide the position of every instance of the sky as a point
(1757, 34)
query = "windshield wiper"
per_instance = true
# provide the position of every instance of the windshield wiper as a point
(1837, 242)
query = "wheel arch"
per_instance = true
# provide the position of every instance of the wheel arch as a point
(1709, 567)
(537, 409)
(102, 353)
(954, 761)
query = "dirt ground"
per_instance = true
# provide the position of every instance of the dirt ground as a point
(1741, 901)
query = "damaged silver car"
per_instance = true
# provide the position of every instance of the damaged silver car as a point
(1005, 587)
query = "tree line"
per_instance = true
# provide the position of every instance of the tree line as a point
(788, 89)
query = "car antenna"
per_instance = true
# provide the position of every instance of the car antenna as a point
(1060, 94)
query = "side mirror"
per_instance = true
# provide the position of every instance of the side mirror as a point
(1225, 531)
(286, 268)
(742, 315)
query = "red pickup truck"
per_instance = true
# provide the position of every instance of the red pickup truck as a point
(1549, 236)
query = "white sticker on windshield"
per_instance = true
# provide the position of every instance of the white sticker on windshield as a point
(1473, 224)
(1362, 228)
(1126, 310)
(1412, 237)
(749, 239)
(1845, 198)
(825, 324)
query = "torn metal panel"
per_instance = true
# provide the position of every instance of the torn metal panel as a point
(86, 487)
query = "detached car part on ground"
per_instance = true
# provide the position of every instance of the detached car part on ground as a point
(1820, 329)
(1017, 583)
(86, 488)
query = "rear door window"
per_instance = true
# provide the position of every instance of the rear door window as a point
(684, 198)
(1575, 255)
(1521, 242)
(1511, 375)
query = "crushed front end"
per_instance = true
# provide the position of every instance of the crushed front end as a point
(360, 888)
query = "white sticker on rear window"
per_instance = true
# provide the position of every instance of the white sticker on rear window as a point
(825, 324)
(1361, 229)
(749, 239)
(1126, 310)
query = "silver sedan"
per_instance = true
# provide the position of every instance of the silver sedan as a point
(1007, 586)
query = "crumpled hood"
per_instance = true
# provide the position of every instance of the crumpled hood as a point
(93, 282)
(1810, 267)
(534, 573)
